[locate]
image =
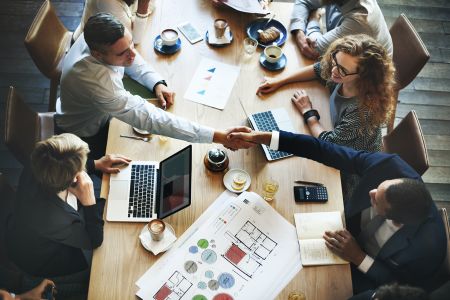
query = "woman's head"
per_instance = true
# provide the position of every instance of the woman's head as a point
(56, 161)
(363, 62)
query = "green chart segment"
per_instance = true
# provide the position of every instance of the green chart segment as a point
(203, 243)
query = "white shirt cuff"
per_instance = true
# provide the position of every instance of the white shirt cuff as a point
(366, 264)
(275, 140)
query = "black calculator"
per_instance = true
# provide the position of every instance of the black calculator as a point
(310, 194)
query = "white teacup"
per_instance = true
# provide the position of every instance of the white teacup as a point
(169, 37)
(273, 53)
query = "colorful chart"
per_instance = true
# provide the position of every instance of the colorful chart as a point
(203, 243)
(226, 280)
(190, 266)
(209, 256)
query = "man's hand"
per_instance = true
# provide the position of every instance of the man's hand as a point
(301, 101)
(36, 293)
(232, 144)
(111, 163)
(268, 85)
(164, 95)
(342, 243)
(83, 189)
(305, 45)
(254, 137)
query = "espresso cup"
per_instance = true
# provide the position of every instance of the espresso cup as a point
(273, 53)
(169, 37)
(156, 228)
(219, 27)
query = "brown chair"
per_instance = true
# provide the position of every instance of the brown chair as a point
(47, 42)
(444, 216)
(410, 55)
(24, 127)
(407, 141)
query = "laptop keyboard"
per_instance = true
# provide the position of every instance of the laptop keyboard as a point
(140, 204)
(266, 122)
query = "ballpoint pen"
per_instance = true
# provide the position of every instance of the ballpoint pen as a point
(308, 182)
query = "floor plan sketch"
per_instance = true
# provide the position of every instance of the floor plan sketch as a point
(174, 288)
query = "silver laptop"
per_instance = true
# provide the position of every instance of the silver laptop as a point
(276, 119)
(146, 190)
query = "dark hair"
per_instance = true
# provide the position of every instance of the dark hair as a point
(102, 30)
(409, 201)
(400, 292)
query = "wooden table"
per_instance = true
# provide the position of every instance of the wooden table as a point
(121, 260)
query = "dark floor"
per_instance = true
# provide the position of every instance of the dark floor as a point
(428, 94)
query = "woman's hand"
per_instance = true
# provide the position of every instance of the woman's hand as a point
(268, 85)
(301, 101)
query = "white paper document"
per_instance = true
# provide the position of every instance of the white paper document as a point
(247, 6)
(212, 83)
(239, 248)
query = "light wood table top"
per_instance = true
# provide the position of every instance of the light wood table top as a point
(121, 260)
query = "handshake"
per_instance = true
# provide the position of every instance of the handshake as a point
(241, 137)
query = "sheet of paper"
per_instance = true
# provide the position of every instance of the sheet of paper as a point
(315, 252)
(248, 6)
(314, 225)
(240, 248)
(212, 83)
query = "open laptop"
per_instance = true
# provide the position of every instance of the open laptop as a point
(275, 119)
(146, 190)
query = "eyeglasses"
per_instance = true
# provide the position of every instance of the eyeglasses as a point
(341, 70)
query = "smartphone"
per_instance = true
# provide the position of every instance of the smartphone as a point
(190, 32)
(310, 194)
(49, 292)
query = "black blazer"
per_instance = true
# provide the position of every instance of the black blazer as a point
(414, 252)
(46, 236)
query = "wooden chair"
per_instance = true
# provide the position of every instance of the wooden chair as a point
(47, 42)
(24, 127)
(410, 55)
(407, 141)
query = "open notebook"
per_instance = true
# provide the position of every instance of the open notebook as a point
(310, 230)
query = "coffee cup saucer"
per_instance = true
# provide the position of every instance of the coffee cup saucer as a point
(157, 247)
(226, 40)
(280, 64)
(159, 47)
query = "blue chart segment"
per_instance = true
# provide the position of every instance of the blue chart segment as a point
(212, 70)
(202, 92)
(201, 285)
(209, 256)
(209, 274)
(226, 280)
(193, 249)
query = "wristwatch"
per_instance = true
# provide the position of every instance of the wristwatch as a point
(159, 82)
(311, 113)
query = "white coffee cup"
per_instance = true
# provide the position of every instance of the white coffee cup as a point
(273, 53)
(169, 37)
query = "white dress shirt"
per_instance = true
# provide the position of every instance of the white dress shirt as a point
(126, 15)
(92, 93)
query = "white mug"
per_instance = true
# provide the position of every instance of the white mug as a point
(273, 53)
(169, 37)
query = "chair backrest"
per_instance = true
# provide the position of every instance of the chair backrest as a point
(24, 127)
(444, 216)
(410, 53)
(47, 41)
(407, 141)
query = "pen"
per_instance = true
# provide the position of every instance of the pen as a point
(308, 182)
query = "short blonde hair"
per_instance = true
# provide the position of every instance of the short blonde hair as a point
(56, 161)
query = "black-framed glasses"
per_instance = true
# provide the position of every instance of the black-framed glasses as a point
(341, 70)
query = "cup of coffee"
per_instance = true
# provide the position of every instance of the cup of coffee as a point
(273, 53)
(169, 37)
(219, 27)
(156, 228)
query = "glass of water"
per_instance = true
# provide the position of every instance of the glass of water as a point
(270, 188)
(250, 45)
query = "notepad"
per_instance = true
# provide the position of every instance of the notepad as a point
(310, 230)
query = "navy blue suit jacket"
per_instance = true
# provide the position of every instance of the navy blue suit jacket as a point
(414, 252)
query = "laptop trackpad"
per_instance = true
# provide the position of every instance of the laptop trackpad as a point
(119, 190)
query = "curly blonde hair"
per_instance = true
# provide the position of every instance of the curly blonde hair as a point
(376, 76)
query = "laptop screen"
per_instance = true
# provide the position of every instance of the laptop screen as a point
(174, 183)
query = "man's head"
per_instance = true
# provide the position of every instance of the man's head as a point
(109, 41)
(56, 161)
(404, 200)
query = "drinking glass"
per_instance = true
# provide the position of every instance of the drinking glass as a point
(250, 45)
(270, 188)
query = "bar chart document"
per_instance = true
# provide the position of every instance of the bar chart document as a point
(239, 248)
